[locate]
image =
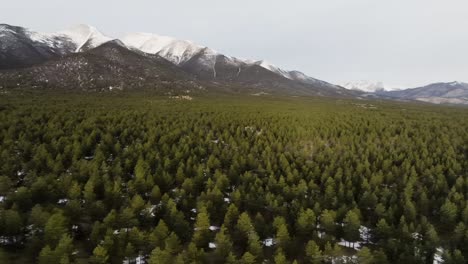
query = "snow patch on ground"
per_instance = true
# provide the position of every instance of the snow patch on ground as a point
(260, 94)
(62, 201)
(214, 228)
(182, 97)
(438, 256)
(348, 244)
(269, 242)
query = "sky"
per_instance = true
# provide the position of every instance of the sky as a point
(402, 43)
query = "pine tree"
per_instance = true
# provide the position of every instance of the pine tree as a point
(223, 244)
(159, 256)
(159, 234)
(306, 223)
(327, 222)
(55, 228)
(383, 230)
(380, 257)
(313, 253)
(282, 236)
(100, 255)
(448, 213)
(365, 256)
(202, 234)
(247, 258)
(253, 245)
(47, 256)
(172, 244)
(351, 227)
(280, 258)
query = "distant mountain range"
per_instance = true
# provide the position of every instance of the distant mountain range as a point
(83, 58)
(79, 58)
(438, 93)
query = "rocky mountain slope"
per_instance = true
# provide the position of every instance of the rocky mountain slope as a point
(451, 93)
(40, 51)
(21, 47)
(110, 66)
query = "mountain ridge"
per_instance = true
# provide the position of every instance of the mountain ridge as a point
(205, 63)
(27, 52)
(442, 92)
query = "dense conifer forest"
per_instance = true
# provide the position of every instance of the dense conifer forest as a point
(119, 178)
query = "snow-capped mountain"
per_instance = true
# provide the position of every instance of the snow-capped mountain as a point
(83, 37)
(82, 56)
(27, 47)
(22, 47)
(79, 37)
(110, 66)
(364, 86)
(206, 62)
(176, 51)
(450, 92)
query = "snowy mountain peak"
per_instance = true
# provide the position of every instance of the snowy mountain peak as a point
(181, 52)
(197, 59)
(267, 65)
(84, 35)
(456, 83)
(174, 50)
(365, 86)
(5, 27)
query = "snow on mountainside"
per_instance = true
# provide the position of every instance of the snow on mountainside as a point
(84, 37)
(303, 78)
(189, 55)
(451, 92)
(365, 86)
(273, 68)
(176, 51)
(21, 47)
(80, 37)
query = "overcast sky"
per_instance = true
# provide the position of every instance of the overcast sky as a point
(405, 43)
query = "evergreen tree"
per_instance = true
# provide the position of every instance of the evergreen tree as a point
(55, 228)
(202, 234)
(351, 226)
(313, 253)
(100, 255)
(365, 256)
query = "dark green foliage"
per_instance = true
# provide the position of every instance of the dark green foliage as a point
(103, 179)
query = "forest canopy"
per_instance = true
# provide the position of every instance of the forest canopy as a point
(119, 177)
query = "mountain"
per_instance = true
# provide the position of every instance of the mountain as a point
(364, 86)
(109, 66)
(83, 37)
(208, 64)
(21, 47)
(439, 93)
